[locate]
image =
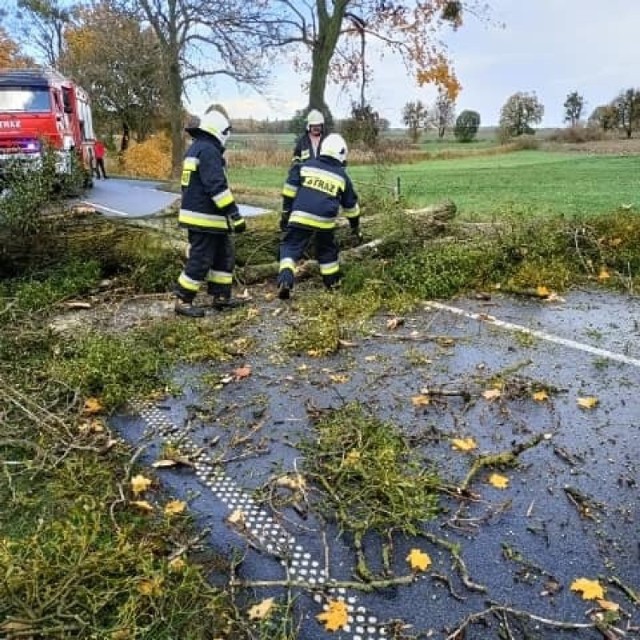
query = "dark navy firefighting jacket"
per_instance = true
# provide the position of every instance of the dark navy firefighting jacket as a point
(321, 188)
(207, 202)
(302, 152)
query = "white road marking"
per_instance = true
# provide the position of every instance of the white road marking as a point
(543, 335)
(101, 207)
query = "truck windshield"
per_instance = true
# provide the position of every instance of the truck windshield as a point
(29, 99)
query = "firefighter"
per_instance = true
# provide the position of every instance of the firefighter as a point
(306, 148)
(323, 186)
(209, 212)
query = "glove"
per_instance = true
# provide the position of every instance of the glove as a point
(238, 223)
(284, 220)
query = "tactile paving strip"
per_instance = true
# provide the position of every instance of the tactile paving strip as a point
(271, 536)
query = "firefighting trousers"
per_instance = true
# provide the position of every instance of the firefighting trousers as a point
(293, 246)
(211, 261)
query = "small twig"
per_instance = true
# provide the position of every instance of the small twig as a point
(447, 581)
(367, 587)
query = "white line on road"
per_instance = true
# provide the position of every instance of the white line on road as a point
(543, 335)
(103, 208)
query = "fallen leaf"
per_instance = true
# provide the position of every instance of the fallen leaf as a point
(588, 403)
(352, 458)
(226, 379)
(268, 297)
(139, 484)
(238, 517)
(174, 507)
(464, 444)
(295, 482)
(498, 481)
(150, 587)
(542, 292)
(370, 358)
(92, 406)
(339, 378)
(394, 323)
(591, 589)
(94, 425)
(347, 344)
(418, 560)
(615, 242)
(491, 394)
(603, 275)
(177, 565)
(540, 396)
(335, 617)
(421, 400)
(608, 605)
(143, 505)
(261, 610)
(242, 372)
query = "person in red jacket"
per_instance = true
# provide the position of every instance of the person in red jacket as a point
(99, 151)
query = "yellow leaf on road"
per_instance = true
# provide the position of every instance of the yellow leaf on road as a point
(421, 400)
(293, 481)
(542, 291)
(498, 481)
(464, 444)
(588, 403)
(540, 396)
(174, 507)
(491, 394)
(238, 517)
(591, 589)
(261, 610)
(339, 378)
(335, 617)
(418, 560)
(603, 275)
(139, 484)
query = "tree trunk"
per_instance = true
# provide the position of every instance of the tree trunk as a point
(175, 114)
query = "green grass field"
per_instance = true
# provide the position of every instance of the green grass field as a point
(524, 182)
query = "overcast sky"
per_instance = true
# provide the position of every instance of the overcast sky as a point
(550, 47)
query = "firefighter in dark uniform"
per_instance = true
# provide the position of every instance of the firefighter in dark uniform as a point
(307, 147)
(322, 188)
(209, 212)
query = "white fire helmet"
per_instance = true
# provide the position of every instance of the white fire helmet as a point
(314, 118)
(334, 146)
(216, 124)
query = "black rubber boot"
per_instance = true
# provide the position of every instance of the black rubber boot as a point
(222, 303)
(284, 291)
(188, 310)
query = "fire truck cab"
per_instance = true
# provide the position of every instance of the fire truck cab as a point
(41, 108)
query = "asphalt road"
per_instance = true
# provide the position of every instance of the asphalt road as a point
(120, 198)
(584, 346)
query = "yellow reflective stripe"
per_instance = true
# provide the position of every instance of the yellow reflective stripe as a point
(220, 277)
(190, 164)
(289, 190)
(203, 220)
(329, 268)
(320, 180)
(223, 198)
(287, 263)
(188, 283)
(309, 220)
(239, 222)
(304, 155)
(354, 212)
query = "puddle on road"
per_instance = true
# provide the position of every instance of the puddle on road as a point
(571, 508)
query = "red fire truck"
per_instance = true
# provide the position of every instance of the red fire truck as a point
(41, 108)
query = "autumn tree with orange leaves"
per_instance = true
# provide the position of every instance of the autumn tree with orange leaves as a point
(10, 56)
(333, 34)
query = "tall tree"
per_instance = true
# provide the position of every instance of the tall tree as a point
(414, 116)
(201, 39)
(443, 113)
(627, 106)
(10, 55)
(573, 107)
(519, 112)
(604, 117)
(467, 125)
(121, 72)
(43, 25)
(333, 33)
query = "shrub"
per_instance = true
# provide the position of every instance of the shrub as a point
(467, 126)
(149, 159)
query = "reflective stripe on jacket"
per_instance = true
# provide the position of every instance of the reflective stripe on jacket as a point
(207, 201)
(322, 187)
(302, 152)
